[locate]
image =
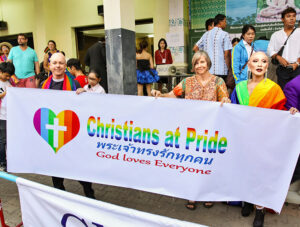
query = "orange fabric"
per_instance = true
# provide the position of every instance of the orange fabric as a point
(191, 88)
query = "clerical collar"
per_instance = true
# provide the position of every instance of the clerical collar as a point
(58, 80)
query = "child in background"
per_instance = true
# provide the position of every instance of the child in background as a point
(7, 69)
(74, 68)
(93, 84)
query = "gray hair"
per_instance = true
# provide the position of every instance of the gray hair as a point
(197, 56)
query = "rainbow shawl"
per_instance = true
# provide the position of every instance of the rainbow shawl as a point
(267, 94)
(68, 85)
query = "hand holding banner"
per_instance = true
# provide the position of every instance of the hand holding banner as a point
(190, 149)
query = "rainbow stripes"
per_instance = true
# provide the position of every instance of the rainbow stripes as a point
(68, 84)
(56, 130)
(266, 94)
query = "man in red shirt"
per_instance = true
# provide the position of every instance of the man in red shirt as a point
(75, 69)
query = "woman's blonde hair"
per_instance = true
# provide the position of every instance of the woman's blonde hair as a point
(197, 56)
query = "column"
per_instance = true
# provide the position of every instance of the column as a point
(119, 24)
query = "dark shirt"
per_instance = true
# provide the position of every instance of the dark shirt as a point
(59, 85)
(143, 64)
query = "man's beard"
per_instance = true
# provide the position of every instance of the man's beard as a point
(22, 44)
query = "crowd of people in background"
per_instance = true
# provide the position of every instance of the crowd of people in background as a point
(20, 67)
(240, 67)
(225, 70)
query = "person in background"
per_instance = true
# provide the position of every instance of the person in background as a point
(202, 86)
(209, 24)
(95, 58)
(4, 48)
(146, 75)
(51, 49)
(241, 53)
(217, 44)
(163, 56)
(93, 85)
(7, 69)
(235, 41)
(230, 82)
(289, 60)
(74, 68)
(25, 62)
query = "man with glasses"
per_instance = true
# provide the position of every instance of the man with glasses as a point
(26, 63)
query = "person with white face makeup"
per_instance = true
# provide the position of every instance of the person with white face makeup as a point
(259, 91)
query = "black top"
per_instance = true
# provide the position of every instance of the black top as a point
(59, 85)
(95, 58)
(143, 64)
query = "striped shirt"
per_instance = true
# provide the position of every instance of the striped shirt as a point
(215, 42)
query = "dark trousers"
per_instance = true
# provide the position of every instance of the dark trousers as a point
(3, 142)
(58, 182)
(224, 77)
(284, 75)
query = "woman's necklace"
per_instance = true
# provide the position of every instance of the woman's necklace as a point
(163, 58)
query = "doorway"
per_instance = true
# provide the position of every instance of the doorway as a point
(87, 36)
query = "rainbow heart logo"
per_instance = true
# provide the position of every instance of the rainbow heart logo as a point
(56, 130)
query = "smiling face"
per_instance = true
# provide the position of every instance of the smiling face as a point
(5, 49)
(201, 66)
(58, 65)
(258, 64)
(51, 46)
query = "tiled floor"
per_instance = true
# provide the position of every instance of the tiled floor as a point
(219, 215)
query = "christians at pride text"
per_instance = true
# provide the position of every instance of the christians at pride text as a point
(128, 132)
(159, 163)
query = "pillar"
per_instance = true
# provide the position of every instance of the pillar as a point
(119, 24)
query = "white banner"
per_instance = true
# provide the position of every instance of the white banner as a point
(45, 206)
(183, 148)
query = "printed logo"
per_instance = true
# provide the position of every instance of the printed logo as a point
(56, 130)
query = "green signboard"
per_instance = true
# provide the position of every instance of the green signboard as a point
(201, 10)
(264, 15)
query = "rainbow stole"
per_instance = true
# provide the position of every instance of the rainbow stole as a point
(266, 94)
(68, 85)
